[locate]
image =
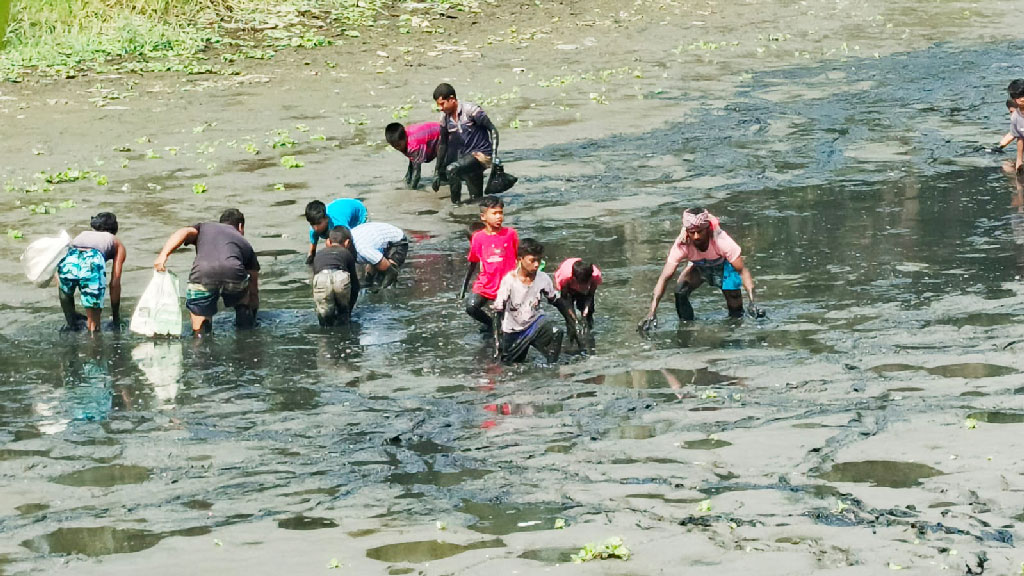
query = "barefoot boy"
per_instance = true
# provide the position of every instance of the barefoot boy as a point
(419, 144)
(523, 323)
(84, 268)
(335, 283)
(713, 258)
(577, 282)
(493, 252)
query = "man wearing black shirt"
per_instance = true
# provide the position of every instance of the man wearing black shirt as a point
(335, 283)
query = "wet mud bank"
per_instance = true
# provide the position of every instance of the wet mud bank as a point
(868, 424)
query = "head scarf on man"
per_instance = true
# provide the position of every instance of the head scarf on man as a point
(697, 218)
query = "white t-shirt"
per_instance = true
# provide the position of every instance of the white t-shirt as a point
(521, 302)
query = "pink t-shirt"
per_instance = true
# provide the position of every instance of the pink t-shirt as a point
(563, 276)
(496, 254)
(421, 141)
(721, 249)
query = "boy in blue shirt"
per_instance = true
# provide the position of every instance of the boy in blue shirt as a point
(347, 212)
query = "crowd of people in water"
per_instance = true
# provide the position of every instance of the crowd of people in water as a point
(506, 284)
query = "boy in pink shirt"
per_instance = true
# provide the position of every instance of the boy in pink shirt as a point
(492, 251)
(419, 144)
(576, 282)
(712, 257)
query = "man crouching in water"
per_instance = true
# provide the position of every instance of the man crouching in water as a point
(713, 257)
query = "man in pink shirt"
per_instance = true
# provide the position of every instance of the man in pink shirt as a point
(492, 251)
(576, 282)
(712, 257)
(419, 144)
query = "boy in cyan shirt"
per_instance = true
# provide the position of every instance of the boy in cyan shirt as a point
(523, 323)
(493, 252)
(347, 212)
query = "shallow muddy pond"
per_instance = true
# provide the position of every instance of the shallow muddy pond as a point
(887, 250)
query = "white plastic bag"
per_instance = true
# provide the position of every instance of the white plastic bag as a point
(42, 256)
(159, 309)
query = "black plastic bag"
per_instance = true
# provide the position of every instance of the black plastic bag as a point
(499, 180)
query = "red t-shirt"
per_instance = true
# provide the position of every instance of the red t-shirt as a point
(496, 254)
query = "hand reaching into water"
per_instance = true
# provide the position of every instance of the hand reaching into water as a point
(755, 312)
(647, 324)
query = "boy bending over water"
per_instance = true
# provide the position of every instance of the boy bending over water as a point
(85, 267)
(335, 282)
(419, 144)
(523, 323)
(713, 258)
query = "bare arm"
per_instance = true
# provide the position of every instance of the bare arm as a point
(115, 282)
(568, 314)
(748, 280)
(1020, 154)
(187, 234)
(1006, 140)
(659, 288)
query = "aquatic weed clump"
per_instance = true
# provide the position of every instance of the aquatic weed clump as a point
(610, 548)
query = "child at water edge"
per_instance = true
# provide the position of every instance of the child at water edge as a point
(713, 257)
(576, 281)
(1016, 92)
(418, 142)
(335, 281)
(84, 268)
(523, 323)
(493, 251)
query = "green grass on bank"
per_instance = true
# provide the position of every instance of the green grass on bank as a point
(64, 38)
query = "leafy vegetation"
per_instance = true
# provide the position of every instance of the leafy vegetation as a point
(65, 38)
(610, 548)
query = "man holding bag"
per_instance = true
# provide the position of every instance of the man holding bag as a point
(225, 267)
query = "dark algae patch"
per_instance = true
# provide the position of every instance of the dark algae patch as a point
(105, 476)
(301, 522)
(426, 550)
(885, 473)
(971, 370)
(102, 540)
(998, 417)
(705, 444)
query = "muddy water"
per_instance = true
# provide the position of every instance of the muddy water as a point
(886, 249)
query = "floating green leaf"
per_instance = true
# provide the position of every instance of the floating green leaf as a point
(704, 506)
(101, 180)
(971, 423)
(151, 154)
(14, 234)
(291, 162)
(67, 204)
(559, 523)
(333, 564)
(199, 188)
(279, 187)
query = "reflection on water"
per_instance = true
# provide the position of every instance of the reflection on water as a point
(881, 473)
(426, 550)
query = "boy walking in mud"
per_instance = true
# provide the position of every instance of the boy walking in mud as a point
(335, 282)
(468, 139)
(418, 142)
(523, 323)
(492, 251)
(225, 267)
(713, 257)
(347, 212)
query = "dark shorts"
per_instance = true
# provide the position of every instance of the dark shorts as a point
(201, 299)
(542, 335)
(397, 251)
(721, 275)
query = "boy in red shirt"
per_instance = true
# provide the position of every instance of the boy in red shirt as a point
(576, 282)
(493, 252)
(419, 144)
